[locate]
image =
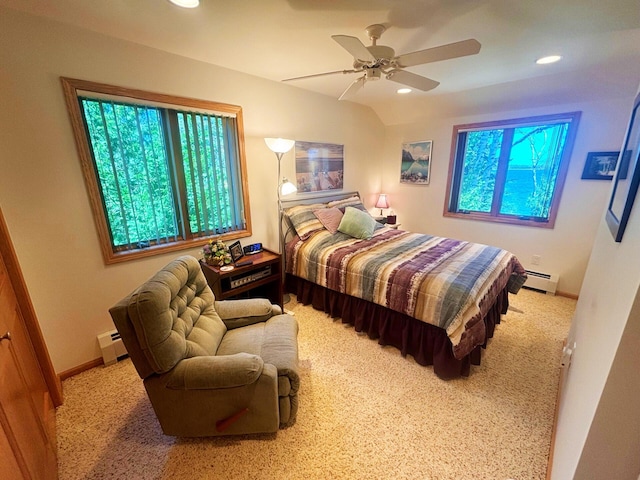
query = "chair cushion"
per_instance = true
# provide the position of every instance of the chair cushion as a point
(173, 315)
(275, 341)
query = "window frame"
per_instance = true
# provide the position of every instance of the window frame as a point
(455, 170)
(73, 90)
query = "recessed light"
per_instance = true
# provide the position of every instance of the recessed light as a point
(186, 3)
(404, 90)
(549, 59)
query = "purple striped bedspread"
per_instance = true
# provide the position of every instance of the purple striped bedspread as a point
(447, 283)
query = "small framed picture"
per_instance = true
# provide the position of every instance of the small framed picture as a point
(235, 249)
(415, 166)
(600, 165)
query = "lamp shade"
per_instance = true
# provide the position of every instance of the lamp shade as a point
(287, 188)
(186, 3)
(382, 201)
(279, 145)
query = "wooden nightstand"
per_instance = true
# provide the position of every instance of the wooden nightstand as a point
(261, 279)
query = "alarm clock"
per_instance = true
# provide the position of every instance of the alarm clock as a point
(252, 249)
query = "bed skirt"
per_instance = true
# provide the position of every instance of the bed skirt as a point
(428, 344)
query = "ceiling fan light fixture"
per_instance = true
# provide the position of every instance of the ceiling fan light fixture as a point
(548, 59)
(186, 3)
(403, 91)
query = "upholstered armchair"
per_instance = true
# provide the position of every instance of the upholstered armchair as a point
(210, 367)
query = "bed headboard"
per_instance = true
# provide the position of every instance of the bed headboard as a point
(288, 231)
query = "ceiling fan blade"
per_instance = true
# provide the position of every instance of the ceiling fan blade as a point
(321, 74)
(436, 54)
(353, 88)
(412, 80)
(355, 47)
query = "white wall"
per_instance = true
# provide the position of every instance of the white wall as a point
(598, 432)
(564, 249)
(42, 192)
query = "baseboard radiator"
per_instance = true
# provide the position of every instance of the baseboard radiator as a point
(542, 282)
(112, 347)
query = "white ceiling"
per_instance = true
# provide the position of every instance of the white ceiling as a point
(278, 39)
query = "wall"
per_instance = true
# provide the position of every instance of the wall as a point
(42, 192)
(598, 432)
(564, 249)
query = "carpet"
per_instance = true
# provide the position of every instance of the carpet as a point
(365, 412)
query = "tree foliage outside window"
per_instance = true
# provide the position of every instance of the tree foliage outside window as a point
(163, 173)
(511, 171)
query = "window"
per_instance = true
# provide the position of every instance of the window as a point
(510, 171)
(163, 173)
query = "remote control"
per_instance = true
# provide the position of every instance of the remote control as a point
(242, 264)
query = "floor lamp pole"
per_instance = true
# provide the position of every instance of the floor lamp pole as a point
(285, 296)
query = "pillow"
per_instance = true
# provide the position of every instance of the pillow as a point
(357, 223)
(354, 202)
(303, 219)
(329, 217)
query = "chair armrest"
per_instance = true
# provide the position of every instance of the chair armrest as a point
(247, 311)
(209, 372)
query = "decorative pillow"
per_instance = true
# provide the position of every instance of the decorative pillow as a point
(357, 223)
(329, 217)
(354, 202)
(303, 219)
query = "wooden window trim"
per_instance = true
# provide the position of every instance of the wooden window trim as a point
(72, 87)
(574, 117)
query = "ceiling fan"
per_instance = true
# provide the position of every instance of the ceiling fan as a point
(377, 61)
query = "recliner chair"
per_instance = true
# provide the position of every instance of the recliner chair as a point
(210, 367)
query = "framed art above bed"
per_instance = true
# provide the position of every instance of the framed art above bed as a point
(319, 166)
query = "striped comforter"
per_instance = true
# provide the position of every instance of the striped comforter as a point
(445, 282)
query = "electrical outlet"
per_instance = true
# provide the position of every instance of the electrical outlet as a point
(535, 260)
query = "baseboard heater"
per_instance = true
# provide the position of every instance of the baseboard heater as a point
(542, 282)
(112, 347)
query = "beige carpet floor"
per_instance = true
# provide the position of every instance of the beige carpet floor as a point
(365, 413)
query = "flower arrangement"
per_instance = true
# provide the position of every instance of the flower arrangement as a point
(216, 253)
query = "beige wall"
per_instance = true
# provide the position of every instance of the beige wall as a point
(42, 191)
(564, 249)
(598, 422)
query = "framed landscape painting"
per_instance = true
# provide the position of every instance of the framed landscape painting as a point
(415, 166)
(319, 166)
(600, 165)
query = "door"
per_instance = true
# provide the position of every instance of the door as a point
(27, 414)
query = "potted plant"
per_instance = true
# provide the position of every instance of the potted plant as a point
(216, 253)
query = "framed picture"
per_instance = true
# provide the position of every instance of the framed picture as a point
(415, 166)
(627, 178)
(319, 166)
(235, 249)
(600, 165)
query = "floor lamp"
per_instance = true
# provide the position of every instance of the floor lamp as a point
(280, 146)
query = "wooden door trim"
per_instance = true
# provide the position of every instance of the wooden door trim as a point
(29, 314)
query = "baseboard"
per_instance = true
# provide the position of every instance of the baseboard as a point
(80, 368)
(568, 295)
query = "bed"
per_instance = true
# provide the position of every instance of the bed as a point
(434, 298)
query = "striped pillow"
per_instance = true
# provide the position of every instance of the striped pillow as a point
(354, 202)
(303, 219)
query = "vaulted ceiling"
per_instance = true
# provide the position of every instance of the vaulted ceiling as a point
(278, 39)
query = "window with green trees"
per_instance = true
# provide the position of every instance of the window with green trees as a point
(511, 171)
(163, 172)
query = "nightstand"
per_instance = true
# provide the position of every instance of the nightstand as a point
(261, 279)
